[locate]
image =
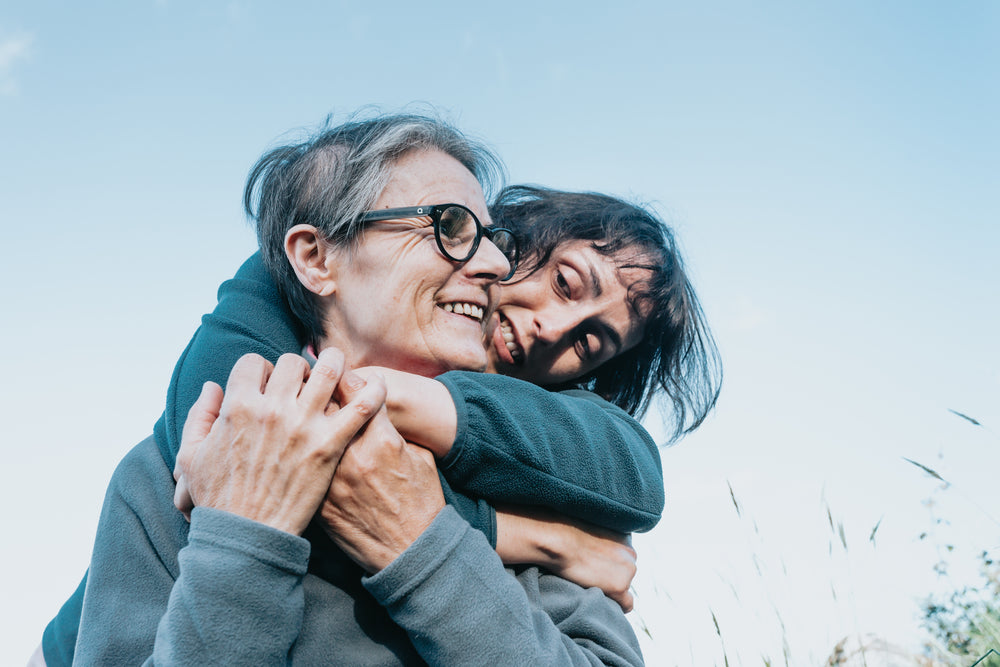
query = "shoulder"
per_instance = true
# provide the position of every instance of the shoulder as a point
(143, 485)
(142, 469)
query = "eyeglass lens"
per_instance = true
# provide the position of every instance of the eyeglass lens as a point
(457, 229)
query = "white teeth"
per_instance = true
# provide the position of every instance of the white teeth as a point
(508, 337)
(467, 309)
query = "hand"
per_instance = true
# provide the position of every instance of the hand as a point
(386, 492)
(268, 451)
(420, 408)
(586, 555)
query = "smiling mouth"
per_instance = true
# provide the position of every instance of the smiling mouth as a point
(510, 340)
(470, 310)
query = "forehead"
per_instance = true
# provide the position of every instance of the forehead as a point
(432, 177)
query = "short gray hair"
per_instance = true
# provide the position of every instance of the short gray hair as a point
(336, 174)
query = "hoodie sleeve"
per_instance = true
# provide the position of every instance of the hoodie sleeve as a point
(569, 451)
(459, 606)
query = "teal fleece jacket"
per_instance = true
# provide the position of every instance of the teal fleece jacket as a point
(516, 442)
(225, 590)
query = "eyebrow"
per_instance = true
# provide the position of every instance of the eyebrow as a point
(595, 281)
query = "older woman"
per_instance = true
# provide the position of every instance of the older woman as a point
(402, 312)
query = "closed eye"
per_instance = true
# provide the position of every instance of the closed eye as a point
(588, 345)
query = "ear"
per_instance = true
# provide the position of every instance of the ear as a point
(312, 259)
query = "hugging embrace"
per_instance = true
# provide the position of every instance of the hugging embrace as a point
(427, 449)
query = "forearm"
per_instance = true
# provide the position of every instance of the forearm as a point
(239, 598)
(571, 452)
(582, 553)
(512, 442)
(420, 408)
(449, 591)
(157, 592)
(235, 601)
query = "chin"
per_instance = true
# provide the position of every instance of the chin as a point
(493, 365)
(470, 362)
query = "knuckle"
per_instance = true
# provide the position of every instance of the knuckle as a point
(237, 407)
(253, 363)
(325, 372)
(322, 456)
(358, 462)
(293, 361)
(365, 466)
(251, 358)
(365, 408)
(270, 415)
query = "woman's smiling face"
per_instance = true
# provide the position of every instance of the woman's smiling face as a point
(568, 317)
(398, 301)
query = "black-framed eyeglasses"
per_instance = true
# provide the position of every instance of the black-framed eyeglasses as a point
(457, 231)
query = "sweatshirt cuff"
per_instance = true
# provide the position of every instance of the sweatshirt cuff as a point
(451, 382)
(268, 545)
(420, 560)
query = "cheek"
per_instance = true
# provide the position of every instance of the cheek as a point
(571, 368)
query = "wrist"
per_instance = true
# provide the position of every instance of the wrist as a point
(423, 412)
(523, 539)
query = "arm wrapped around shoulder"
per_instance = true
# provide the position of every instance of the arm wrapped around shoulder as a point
(569, 451)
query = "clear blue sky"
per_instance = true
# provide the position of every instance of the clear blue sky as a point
(832, 170)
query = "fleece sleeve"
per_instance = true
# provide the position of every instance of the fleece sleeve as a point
(569, 451)
(239, 598)
(225, 591)
(459, 606)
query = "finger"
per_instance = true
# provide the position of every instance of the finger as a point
(326, 373)
(182, 497)
(200, 418)
(203, 413)
(249, 376)
(626, 601)
(351, 383)
(287, 377)
(358, 411)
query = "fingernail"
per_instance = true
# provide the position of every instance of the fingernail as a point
(352, 380)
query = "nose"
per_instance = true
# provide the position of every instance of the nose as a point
(488, 262)
(553, 325)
